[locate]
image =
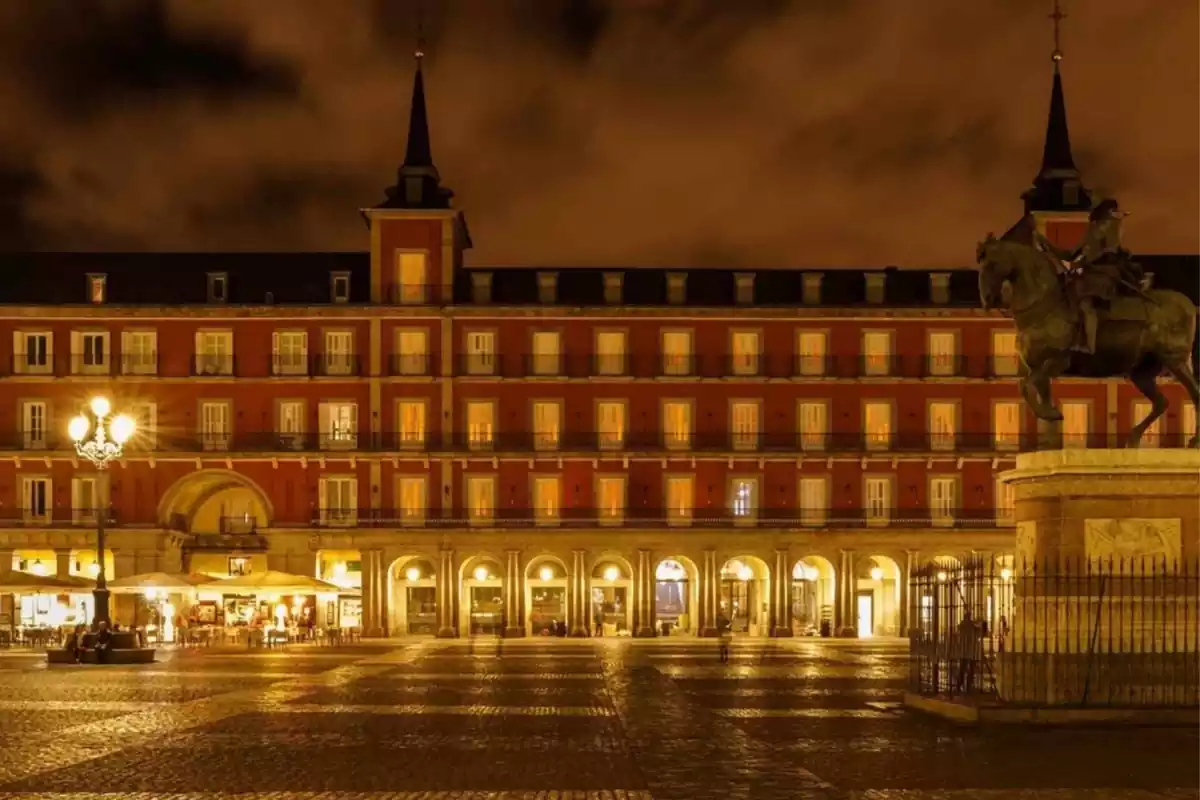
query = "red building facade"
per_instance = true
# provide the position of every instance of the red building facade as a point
(463, 449)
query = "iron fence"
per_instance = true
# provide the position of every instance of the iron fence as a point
(1082, 632)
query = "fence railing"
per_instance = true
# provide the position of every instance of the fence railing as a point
(1070, 632)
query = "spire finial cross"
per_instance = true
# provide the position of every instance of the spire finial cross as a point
(1058, 16)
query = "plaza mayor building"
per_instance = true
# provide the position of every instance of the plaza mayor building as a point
(628, 451)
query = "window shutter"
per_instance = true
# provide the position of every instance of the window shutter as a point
(325, 420)
(354, 419)
(275, 343)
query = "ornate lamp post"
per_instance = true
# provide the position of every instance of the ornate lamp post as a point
(100, 438)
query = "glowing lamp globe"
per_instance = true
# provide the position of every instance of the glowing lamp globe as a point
(151, 593)
(121, 428)
(481, 573)
(611, 574)
(744, 573)
(38, 568)
(101, 406)
(413, 574)
(941, 576)
(1006, 574)
(876, 574)
(94, 568)
(78, 428)
(546, 574)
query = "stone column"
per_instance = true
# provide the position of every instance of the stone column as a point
(906, 570)
(374, 618)
(781, 614)
(514, 595)
(710, 593)
(447, 595)
(846, 601)
(62, 562)
(643, 596)
(577, 595)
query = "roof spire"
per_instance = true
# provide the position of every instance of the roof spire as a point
(418, 184)
(1057, 186)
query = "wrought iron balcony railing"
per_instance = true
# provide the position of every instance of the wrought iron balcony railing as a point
(642, 517)
(56, 517)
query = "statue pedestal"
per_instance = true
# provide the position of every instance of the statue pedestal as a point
(1104, 584)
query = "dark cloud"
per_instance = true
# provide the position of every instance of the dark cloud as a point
(755, 133)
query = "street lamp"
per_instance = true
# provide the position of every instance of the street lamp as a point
(100, 438)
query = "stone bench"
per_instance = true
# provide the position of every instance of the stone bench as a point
(134, 655)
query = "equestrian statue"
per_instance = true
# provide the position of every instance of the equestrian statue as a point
(1089, 313)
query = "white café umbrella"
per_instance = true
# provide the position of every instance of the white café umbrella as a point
(162, 581)
(274, 582)
(17, 582)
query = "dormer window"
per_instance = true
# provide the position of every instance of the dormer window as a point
(97, 288)
(876, 281)
(1070, 191)
(676, 288)
(218, 287)
(481, 288)
(745, 288)
(612, 288)
(939, 287)
(339, 287)
(547, 287)
(812, 288)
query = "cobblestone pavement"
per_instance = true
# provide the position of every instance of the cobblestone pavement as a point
(598, 719)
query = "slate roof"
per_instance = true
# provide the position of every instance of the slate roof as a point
(304, 278)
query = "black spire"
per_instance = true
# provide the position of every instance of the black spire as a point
(418, 184)
(1057, 186)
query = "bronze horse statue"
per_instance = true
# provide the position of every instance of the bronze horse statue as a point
(1140, 335)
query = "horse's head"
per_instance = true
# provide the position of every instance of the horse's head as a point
(995, 267)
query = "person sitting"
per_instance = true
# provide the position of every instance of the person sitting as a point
(73, 643)
(103, 643)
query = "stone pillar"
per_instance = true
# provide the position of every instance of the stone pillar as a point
(374, 617)
(62, 562)
(846, 601)
(781, 583)
(514, 595)
(643, 595)
(906, 570)
(577, 588)
(710, 594)
(447, 596)
(7, 554)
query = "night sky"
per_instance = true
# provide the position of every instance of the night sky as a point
(750, 133)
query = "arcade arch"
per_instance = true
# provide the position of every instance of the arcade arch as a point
(610, 591)
(412, 582)
(877, 597)
(745, 595)
(813, 596)
(676, 595)
(546, 597)
(481, 607)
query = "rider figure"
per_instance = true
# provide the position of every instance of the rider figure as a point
(1097, 267)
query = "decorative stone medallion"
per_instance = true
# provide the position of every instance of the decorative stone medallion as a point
(1125, 539)
(1026, 546)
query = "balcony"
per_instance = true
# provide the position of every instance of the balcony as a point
(677, 366)
(90, 364)
(139, 363)
(335, 365)
(416, 294)
(410, 365)
(642, 517)
(37, 365)
(543, 365)
(609, 365)
(207, 365)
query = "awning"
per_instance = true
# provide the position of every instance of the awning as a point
(162, 581)
(17, 582)
(273, 582)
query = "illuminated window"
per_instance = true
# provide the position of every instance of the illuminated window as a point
(89, 352)
(610, 499)
(412, 351)
(744, 347)
(812, 418)
(37, 500)
(214, 352)
(677, 424)
(814, 500)
(481, 423)
(1005, 361)
(743, 499)
(943, 352)
(290, 352)
(1006, 424)
(215, 424)
(33, 353)
(610, 352)
(411, 277)
(877, 424)
(943, 424)
(410, 423)
(1075, 423)
(339, 500)
(1141, 410)
(410, 491)
(745, 424)
(481, 353)
(547, 499)
(547, 354)
(610, 424)
(680, 491)
(481, 499)
(34, 418)
(943, 499)
(877, 506)
(811, 350)
(547, 424)
(1004, 502)
(677, 353)
(877, 352)
(338, 425)
(338, 358)
(97, 285)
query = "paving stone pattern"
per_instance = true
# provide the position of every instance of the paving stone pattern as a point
(545, 719)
